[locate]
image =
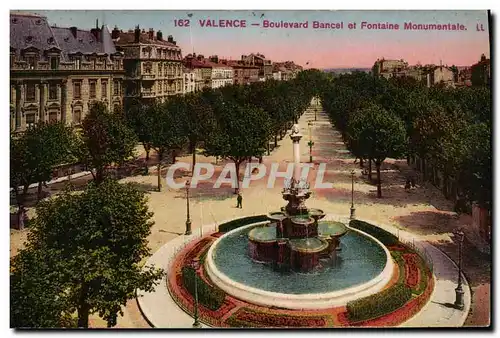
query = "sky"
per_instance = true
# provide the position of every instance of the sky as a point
(309, 47)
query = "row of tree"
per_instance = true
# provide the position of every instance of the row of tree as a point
(84, 250)
(448, 128)
(232, 122)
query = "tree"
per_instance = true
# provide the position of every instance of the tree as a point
(105, 140)
(34, 155)
(476, 175)
(94, 243)
(35, 293)
(166, 129)
(378, 134)
(241, 132)
(139, 120)
(197, 120)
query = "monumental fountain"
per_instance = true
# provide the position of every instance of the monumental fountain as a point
(300, 258)
(292, 240)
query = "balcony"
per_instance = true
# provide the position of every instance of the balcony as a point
(148, 77)
(148, 93)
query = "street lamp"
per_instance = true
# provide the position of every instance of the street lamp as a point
(188, 220)
(196, 265)
(353, 211)
(459, 292)
(310, 143)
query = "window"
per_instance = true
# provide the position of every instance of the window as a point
(31, 60)
(12, 60)
(117, 64)
(52, 116)
(30, 119)
(78, 62)
(160, 88)
(104, 89)
(52, 91)
(92, 85)
(54, 62)
(77, 90)
(77, 116)
(30, 92)
(116, 88)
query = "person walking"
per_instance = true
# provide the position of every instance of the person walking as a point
(239, 199)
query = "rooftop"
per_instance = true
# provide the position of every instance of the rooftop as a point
(34, 31)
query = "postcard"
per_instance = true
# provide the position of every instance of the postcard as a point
(250, 169)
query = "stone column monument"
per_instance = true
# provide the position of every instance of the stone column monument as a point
(296, 136)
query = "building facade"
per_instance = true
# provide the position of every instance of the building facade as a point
(57, 73)
(243, 74)
(153, 67)
(265, 65)
(287, 70)
(222, 73)
(277, 75)
(202, 69)
(481, 72)
(188, 80)
(389, 68)
(441, 75)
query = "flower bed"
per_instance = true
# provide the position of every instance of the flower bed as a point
(247, 317)
(378, 304)
(404, 313)
(385, 237)
(412, 271)
(209, 296)
(408, 291)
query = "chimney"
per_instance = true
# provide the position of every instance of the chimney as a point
(137, 34)
(115, 34)
(170, 39)
(95, 32)
(159, 36)
(151, 34)
(214, 59)
(73, 31)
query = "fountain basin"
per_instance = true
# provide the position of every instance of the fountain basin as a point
(364, 268)
(316, 213)
(276, 216)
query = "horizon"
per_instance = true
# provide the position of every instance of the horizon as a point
(319, 48)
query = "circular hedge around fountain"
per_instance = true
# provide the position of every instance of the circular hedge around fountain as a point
(407, 291)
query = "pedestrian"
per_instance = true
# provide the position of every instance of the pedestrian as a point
(412, 181)
(407, 184)
(239, 200)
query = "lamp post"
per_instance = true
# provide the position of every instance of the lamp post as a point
(196, 265)
(459, 292)
(188, 220)
(353, 211)
(310, 143)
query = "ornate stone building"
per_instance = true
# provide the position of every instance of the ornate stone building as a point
(57, 73)
(189, 80)
(153, 68)
(202, 69)
(265, 65)
(244, 74)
